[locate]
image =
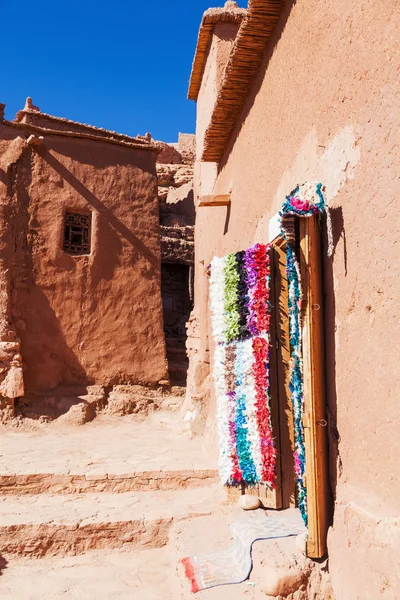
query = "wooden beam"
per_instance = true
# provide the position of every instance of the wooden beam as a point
(318, 498)
(282, 348)
(218, 200)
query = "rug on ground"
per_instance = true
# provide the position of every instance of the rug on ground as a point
(233, 565)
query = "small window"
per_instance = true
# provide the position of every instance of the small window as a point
(77, 233)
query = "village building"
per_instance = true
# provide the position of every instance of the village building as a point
(116, 254)
(290, 93)
(177, 219)
(86, 262)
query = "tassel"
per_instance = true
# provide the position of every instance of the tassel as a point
(190, 574)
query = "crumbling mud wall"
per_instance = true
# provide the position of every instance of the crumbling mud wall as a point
(177, 220)
(11, 375)
(175, 192)
(82, 320)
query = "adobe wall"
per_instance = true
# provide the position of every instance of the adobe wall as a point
(177, 220)
(325, 107)
(11, 374)
(92, 319)
(221, 46)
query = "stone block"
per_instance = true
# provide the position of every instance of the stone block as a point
(13, 384)
(247, 502)
(127, 404)
(169, 154)
(301, 543)
(20, 324)
(281, 581)
(78, 414)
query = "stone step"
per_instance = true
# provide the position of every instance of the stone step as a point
(189, 538)
(36, 526)
(111, 453)
(155, 574)
(279, 569)
(95, 482)
(95, 575)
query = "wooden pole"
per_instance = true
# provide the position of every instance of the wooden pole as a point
(315, 419)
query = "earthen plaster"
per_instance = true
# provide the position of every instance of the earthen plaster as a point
(81, 319)
(324, 106)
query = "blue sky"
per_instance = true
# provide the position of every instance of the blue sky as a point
(122, 65)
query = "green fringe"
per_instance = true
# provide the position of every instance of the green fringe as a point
(231, 298)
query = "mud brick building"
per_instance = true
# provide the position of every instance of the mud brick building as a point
(293, 92)
(81, 306)
(177, 220)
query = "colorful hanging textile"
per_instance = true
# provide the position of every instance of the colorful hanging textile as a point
(305, 201)
(239, 300)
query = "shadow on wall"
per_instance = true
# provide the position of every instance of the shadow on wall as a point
(3, 564)
(108, 256)
(179, 213)
(186, 208)
(3, 177)
(49, 359)
(335, 466)
(101, 209)
(227, 219)
(249, 102)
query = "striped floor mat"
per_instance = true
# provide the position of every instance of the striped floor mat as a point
(233, 565)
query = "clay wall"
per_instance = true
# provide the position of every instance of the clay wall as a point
(177, 220)
(175, 194)
(325, 107)
(11, 374)
(221, 45)
(95, 318)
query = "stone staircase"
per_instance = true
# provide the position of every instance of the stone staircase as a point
(58, 524)
(111, 488)
(108, 509)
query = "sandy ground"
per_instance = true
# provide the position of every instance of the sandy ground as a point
(107, 445)
(199, 518)
(98, 575)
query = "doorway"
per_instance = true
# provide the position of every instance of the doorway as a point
(177, 305)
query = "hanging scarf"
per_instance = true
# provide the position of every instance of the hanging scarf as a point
(305, 201)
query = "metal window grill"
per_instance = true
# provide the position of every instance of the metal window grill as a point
(77, 233)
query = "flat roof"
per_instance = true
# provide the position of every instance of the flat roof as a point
(32, 119)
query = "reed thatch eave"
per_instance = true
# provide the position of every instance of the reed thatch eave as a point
(243, 65)
(211, 17)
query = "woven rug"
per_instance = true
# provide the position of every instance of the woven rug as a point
(234, 564)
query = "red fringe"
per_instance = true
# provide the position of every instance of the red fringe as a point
(261, 377)
(190, 574)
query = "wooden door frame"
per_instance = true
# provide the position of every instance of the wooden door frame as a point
(315, 417)
(280, 350)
